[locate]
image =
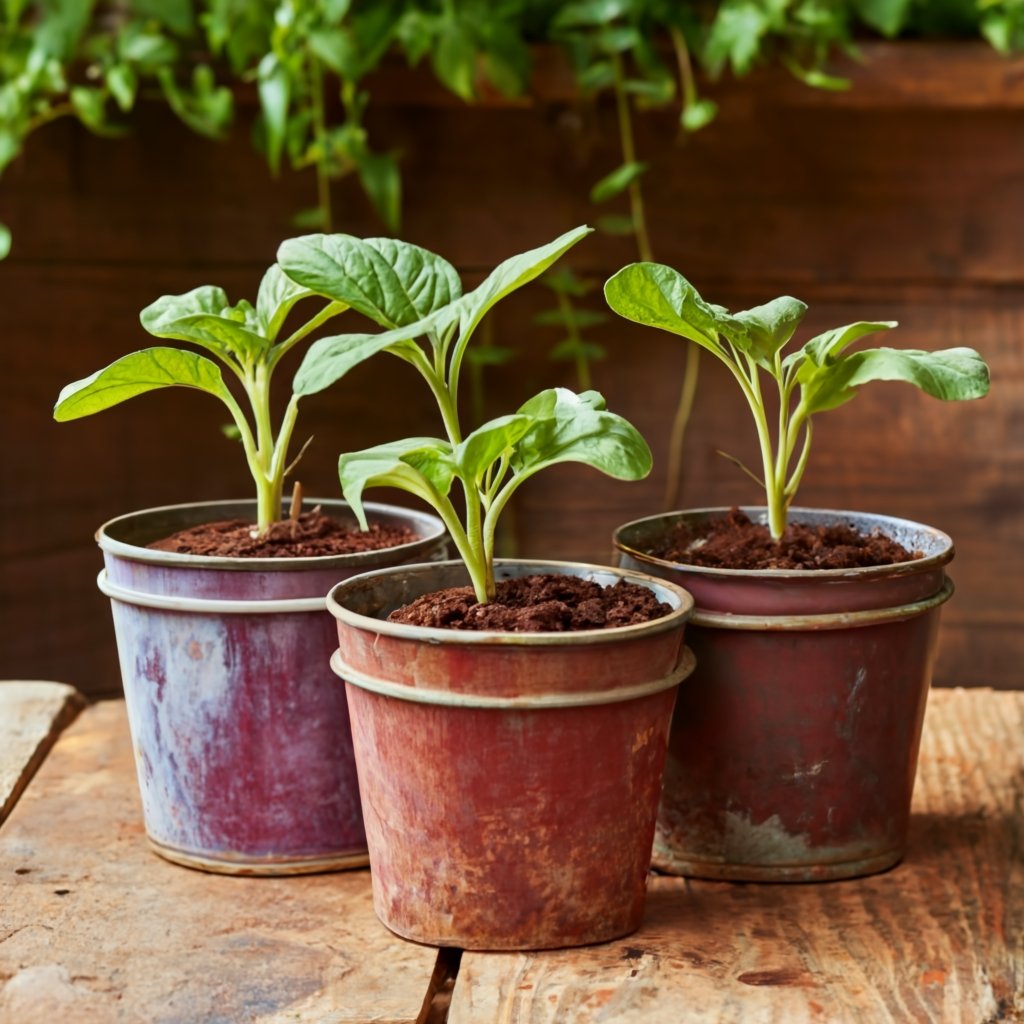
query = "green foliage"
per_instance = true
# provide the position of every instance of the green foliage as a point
(245, 340)
(311, 60)
(429, 322)
(819, 376)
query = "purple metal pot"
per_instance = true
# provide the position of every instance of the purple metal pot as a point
(793, 753)
(241, 733)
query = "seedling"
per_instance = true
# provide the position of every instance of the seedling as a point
(819, 376)
(419, 296)
(244, 340)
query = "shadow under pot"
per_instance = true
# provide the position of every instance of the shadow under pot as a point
(510, 780)
(240, 732)
(793, 752)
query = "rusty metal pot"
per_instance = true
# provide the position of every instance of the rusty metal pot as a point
(241, 734)
(510, 780)
(793, 753)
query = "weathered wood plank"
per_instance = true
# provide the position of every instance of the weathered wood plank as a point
(95, 928)
(32, 715)
(938, 939)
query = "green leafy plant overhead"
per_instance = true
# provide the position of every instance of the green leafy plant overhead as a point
(244, 339)
(312, 61)
(820, 375)
(429, 323)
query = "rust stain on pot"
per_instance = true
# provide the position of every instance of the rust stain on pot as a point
(510, 791)
(794, 747)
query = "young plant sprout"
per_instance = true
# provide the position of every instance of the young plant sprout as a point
(245, 340)
(418, 297)
(819, 376)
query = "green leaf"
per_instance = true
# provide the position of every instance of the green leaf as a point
(5, 241)
(122, 83)
(337, 49)
(565, 280)
(698, 114)
(329, 359)
(454, 59)
(277, 295)
(617, 182)
(578, 428)
(392, 282)
(887, 16)
(487, 444)
(382, 182)
(581, 318)
(591, 12)
(274, 86)
(148, 49)
(506, 278)
(824, 348)
(658, 296)
(735, 36)
(571, 349)
(772, 325)
(204, 317)
(490, 355)
(417, 465)
(90, 106)
(616, 224)
(955, 374)
(135, 374)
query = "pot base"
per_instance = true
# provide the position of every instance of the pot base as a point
(263, 867)
(475, 944)
(720, 872)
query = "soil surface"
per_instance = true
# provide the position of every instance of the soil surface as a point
(536, 604)
(735, 542)
(312, 534)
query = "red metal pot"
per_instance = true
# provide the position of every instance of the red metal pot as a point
(240, 731)
(510, 781)
(793, 753)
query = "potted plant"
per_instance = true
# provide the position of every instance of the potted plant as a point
(241, 738)
(793, 752)
(510, 724)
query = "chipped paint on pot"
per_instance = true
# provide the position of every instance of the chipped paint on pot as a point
(241, 735)
(792, 756)
(510, 780)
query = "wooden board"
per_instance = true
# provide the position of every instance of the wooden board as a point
(938, 939)
(96, 928)
(32, 715)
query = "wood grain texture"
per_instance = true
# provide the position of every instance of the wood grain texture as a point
(904, 208)
(32, 715)
(939, 939)
(96, 928)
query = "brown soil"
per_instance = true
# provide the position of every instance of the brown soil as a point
(310, 535)
(536, 604)
(734, 542)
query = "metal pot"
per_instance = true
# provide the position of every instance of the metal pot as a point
(792, 756)
(510, 780)
(241, 734)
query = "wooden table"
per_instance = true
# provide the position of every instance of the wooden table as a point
(95, 928)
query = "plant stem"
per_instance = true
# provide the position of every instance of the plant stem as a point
(323, 175)
(268, 485)
(582, 364)
(628, 145)
(674, 477)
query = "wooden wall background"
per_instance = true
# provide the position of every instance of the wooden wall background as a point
(901, 200)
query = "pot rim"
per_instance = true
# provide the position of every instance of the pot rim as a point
(665, 590)
(914, 566)
(432, 528)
